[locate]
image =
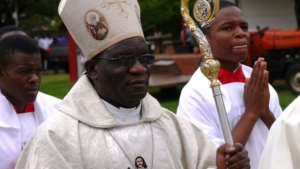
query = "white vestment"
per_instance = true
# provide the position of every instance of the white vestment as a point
(282, 149)
(11, 138)
(197, 104)
(77, 136)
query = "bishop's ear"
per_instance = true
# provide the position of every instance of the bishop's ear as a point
(91, 67)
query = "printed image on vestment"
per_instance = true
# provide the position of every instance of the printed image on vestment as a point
(96, 25)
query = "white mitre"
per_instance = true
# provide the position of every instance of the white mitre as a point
(98, 24)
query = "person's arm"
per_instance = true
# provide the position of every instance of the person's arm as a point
(256, 96)
(266, 115)
(243, 128)
(268, 119)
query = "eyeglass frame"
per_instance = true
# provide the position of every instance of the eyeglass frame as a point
(126, 56)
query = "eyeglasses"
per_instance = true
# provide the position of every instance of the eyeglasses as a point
(129, 60)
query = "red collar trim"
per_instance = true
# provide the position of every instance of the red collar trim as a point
(29, 107)
(226, 76)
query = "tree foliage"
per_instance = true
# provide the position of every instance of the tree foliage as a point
(31, 13)
(165, 14)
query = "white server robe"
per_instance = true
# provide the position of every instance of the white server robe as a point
(197, 105)
(11, 139)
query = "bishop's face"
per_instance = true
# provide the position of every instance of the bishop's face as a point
(119, 85)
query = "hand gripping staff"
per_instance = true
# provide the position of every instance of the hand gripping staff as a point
(210, 68)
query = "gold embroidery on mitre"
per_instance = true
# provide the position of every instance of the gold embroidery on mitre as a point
(96, 24)
(120, 5)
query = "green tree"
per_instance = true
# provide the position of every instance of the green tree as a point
(165, 14)
(31, 13)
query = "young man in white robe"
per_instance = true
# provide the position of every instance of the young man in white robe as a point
(108, 119)
(282, 149)
(252, 105)
(22, 107)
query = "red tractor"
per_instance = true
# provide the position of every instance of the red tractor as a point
(281, 50)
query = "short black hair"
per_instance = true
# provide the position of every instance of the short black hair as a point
(9, 28)
(16, 43)
(223, 4)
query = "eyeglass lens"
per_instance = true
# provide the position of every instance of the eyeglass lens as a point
(128, 61)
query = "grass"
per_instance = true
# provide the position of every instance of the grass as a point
(58, 85)
(285, 96)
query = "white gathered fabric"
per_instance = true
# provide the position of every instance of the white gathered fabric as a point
(282, 149)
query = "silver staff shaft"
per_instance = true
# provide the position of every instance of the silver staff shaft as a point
(222, 114)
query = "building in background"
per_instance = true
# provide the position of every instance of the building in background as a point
(278, 14)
